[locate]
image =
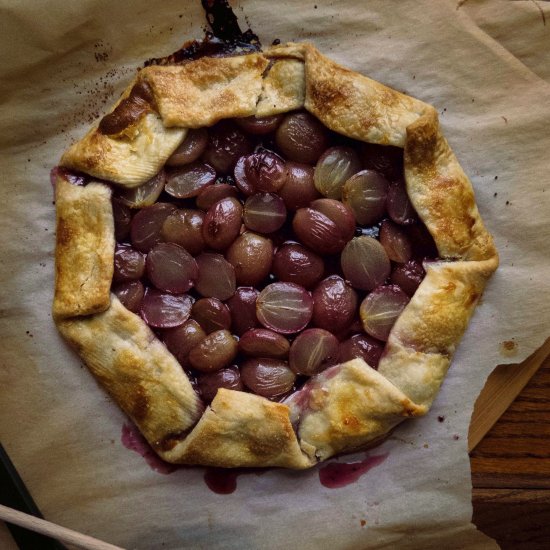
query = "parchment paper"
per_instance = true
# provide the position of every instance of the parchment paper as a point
(484, 65)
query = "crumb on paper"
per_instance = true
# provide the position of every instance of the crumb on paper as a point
(363, 523)
(509, 348)
(456, 437)
(440, 418)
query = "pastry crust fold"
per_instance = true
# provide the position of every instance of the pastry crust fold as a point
(343, 408)
(84, 238)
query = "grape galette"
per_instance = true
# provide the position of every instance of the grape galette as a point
(266, 259)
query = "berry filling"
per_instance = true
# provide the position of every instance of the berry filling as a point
(268, 250)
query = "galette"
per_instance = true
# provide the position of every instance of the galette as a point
(266, 259)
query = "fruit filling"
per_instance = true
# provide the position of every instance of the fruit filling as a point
(268, 250)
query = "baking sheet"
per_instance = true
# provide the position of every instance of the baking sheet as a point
(64, 63)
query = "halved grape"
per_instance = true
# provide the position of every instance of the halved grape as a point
(144, 195)
(334, 304)
(222, 223)
(301, 137)
(130, 294)
(211, 314)
(363, 346)
(396, 242)
(264, 212)
(216, 276)
(146, 228)
(365, 193)
(161, 310)
(191, 148)
(251, 255)
(242, 306)
(265, 171)
(339, 213)
(122, 217)
(299, 189)
(381, 308)
(184, 227)
(261, 342)
(268, 377)
(189, 180)
(408, 276)
(129, 263)
(210, 382)
(294, 263)
(226, 143)
(171, 268)
(259, 126)
(214, 193)
(386, 159)
(365, 263)
(313, 351)
(399, 206)
(284, 307)
(214, 352)
(333, 169)
(318, 232)
(181, 340)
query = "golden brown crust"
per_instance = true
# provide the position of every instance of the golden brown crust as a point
(442, 194)
(136, 369)
(347, 407)
(241, 429)
(84, 238)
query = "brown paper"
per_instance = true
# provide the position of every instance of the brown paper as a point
(482, 64)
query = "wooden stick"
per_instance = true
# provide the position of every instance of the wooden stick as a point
(502, 387)
(52, 530)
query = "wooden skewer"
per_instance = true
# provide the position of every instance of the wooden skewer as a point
(52, 530)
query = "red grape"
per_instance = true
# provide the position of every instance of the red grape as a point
(334, 304)
(313, 351)
(294, 263)
(363, 346)
(242, 306)
(261, 342)
(214, 352)
(365, 193)
(301, 137)
(222, 223)
(268, 377)
(189, 180)
(211, 314)
(284, 307)
(191, 148)
(210, 382)
(333, 169)
(171, 268)
(381, 308)
(146, 228)
(161, 310)
(365, 263)
(251, 255)
(216, 276)
(264, 212)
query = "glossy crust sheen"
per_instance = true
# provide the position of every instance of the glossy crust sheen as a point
(346, 407)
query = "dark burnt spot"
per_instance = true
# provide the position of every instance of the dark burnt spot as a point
(129, 110)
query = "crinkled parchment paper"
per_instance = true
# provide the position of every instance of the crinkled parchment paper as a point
(484, 65)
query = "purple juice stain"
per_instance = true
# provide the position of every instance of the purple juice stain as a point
(223, 481)
(133, 440)
(339, 474)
